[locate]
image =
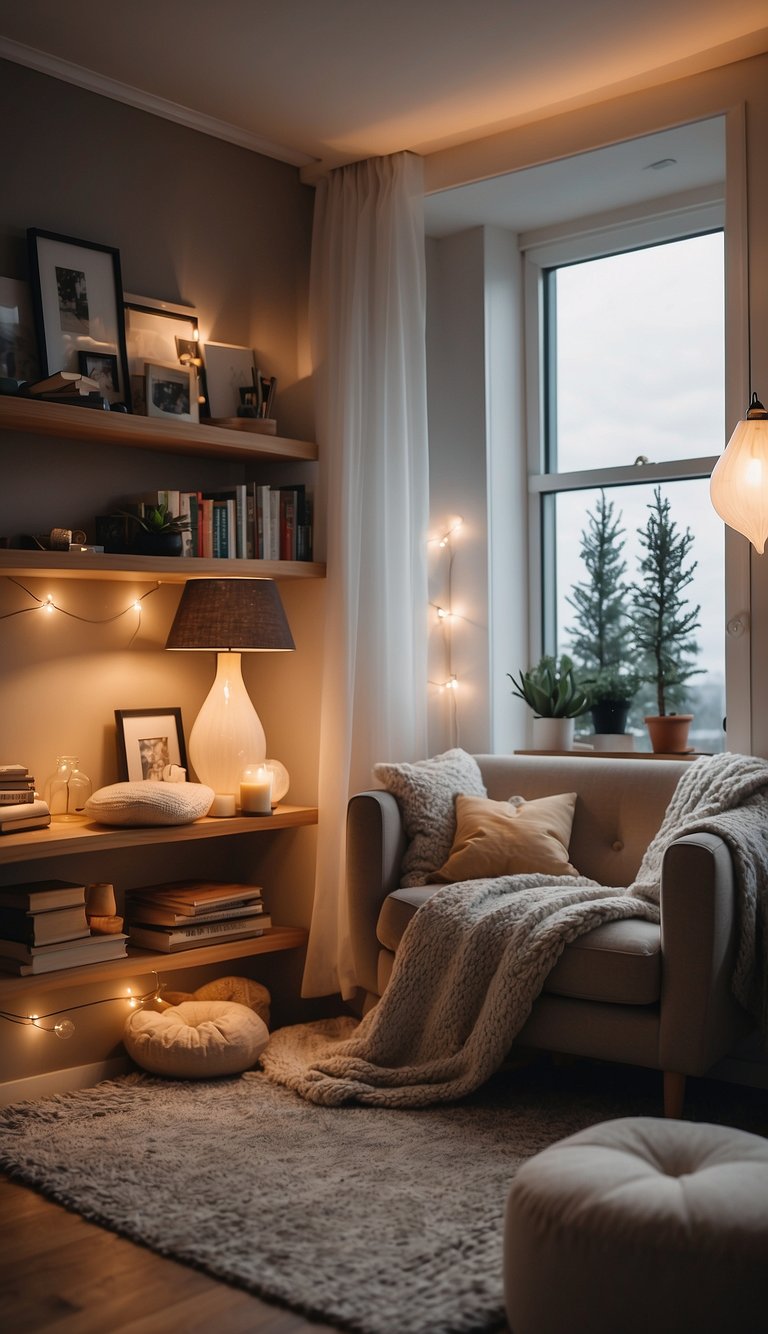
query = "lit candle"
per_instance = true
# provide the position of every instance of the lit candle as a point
(256, 791)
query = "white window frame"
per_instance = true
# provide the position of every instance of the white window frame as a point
(561, 246)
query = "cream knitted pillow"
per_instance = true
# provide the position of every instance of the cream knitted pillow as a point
(425, 793)
(149, 802)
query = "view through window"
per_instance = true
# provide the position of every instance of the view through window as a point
(634, 358)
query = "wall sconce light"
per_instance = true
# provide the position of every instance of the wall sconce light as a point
(228, 617)
(738, 487)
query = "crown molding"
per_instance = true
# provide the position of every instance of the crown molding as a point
(68, 72)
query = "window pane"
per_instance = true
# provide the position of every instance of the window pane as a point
(639, 356)
(690, 507)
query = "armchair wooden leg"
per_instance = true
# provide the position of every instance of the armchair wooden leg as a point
(674, 1094)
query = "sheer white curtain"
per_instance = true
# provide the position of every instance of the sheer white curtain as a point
(367, 310)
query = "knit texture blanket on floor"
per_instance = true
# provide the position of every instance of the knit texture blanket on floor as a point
(474, 958)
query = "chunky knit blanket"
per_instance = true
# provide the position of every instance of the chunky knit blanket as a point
(475, 956)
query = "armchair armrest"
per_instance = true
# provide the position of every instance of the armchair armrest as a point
(375, 847)
(700, 1018)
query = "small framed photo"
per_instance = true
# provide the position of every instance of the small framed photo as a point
(171, 392)
(18, 350)
(148, 741)
(228, 369)
(77, 298)
(101, 367)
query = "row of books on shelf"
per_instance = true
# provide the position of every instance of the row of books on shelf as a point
(20, 806)
(44, 925)
(245, 521)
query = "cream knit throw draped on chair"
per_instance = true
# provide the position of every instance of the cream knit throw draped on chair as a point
(475, 956)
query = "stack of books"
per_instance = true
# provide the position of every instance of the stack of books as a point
(19, 807)
(43, 928)
(189, 913)
(68, 387)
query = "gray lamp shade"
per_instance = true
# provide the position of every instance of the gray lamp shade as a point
(230, 616)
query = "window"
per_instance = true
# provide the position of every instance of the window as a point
(629, 345)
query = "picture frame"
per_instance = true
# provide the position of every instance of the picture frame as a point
(18, 346)
(101, 367)
(171, 392)
(77, 301)
(152, 328)
(228, 369)
(147, 741)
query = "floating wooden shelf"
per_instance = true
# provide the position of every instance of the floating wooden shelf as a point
(64, 840)
(121, 428)
(143, 963)
(153, 569)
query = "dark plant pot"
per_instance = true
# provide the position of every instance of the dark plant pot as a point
(610, 716)
(669, 733)
(156, 544)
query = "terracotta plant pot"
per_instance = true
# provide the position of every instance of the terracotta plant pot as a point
(669, 734)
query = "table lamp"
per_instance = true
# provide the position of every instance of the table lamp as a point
(228, 617)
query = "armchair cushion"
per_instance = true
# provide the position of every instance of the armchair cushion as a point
(505, 838)
(425, 793)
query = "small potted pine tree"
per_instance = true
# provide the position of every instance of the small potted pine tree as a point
(598, 637)
(662, 624)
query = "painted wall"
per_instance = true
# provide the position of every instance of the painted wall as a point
(205, 223)
(741, 89)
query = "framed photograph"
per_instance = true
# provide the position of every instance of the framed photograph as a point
(152, 329)
(147, 741)
(18, 349)
(77, 299)
(101, 367)
(171, 392)
(228, 369)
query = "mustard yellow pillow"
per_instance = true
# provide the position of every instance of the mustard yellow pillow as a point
(498, 838)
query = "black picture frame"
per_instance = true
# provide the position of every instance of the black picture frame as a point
(147, 741)
(102, 367)
(77, 300)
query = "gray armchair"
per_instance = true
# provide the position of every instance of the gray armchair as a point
(627, 991)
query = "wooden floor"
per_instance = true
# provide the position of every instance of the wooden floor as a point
(61, 1274)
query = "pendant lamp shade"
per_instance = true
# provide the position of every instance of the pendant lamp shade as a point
(738, 487)
(228, 617)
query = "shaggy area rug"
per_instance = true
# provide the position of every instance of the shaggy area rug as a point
(374, 1220)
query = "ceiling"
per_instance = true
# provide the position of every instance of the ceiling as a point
(317, 83)
(332, 81)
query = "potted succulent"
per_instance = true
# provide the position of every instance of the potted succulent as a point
(155, 532)
(662, 624)
(611, 691)
(551, 689)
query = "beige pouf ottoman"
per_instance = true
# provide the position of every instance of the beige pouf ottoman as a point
(640, 1226)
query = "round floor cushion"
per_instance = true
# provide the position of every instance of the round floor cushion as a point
(638, 1225)
(196, 1040)
(241, 989)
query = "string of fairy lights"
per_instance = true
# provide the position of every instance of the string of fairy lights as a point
(48, 606)
(63, 1027)
(57, 1022)
(446, 617)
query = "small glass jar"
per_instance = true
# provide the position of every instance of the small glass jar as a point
(68, 789)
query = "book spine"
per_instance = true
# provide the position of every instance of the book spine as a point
(274, 525)
(19, 798)
(250, 524)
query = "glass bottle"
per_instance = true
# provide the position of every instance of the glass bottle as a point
(68, 789)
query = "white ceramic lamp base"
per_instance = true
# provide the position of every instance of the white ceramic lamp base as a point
(227, 734)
